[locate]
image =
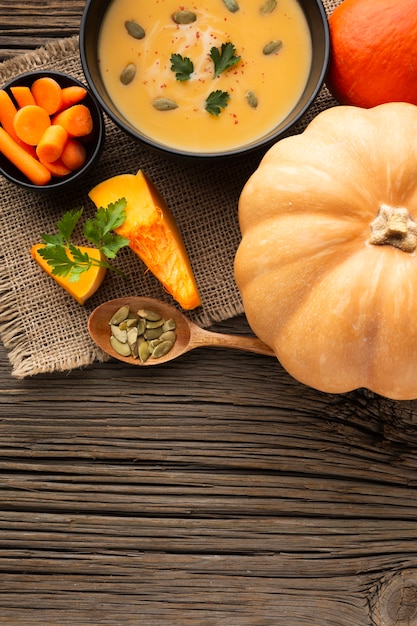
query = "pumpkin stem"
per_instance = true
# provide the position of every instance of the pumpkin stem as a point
(394, 226)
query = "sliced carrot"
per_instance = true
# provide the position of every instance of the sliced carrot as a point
(74, 154)
(76, 120)
(57, 168)
(72, 95)
(8, 111)
(47, 93)
(23, 95)
(52, 143)
(30, 122)
(37, 173)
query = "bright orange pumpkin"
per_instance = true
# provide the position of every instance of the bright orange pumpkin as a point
(327, 265)
(373, 52)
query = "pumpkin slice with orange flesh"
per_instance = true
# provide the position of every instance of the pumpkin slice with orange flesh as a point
(87, 283)
(152, 233)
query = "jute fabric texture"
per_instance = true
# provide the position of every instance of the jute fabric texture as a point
(41, 326)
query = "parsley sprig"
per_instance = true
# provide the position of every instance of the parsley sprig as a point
(216, 101)
(182, 66)
(223, 58)
(67, 259)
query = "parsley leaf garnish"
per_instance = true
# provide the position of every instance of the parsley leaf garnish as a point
(182, 66)
(65, 227)
(62, 265)
(223, 58)
(217, 101)
(67, 259)
(98, 230)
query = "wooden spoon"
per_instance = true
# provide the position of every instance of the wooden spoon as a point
(189, 335)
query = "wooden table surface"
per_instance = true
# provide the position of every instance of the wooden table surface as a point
(213, 491)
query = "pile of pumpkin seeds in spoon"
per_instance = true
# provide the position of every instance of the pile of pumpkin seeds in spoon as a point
(144, 334)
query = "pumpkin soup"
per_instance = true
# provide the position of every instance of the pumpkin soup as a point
(205, 76)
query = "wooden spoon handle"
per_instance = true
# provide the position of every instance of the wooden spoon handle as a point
(201, 337)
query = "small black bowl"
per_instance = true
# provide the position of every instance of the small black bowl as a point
(93, 144)
(315, 15)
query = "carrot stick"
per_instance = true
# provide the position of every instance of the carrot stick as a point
(7, 114)
(56, 168)
(74, 154)
(72, 95)
(7, 111)
(22, 95)
(52, 143)
(30, 123)
(47, 94)
(76, 120)
(37, 173)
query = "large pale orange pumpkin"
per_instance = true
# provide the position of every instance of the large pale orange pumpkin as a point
(373, 52)
(327, 265)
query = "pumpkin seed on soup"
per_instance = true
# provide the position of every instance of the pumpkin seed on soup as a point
(268, 6)
(252, 99)
(128, 74)
(184, 17)
(164, 104)
(134, 29)
(272, 47)
(231, 5)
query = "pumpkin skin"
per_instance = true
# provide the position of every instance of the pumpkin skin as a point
(373, 47)
(339, 310)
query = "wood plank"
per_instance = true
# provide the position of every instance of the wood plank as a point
(29, 25)
(198, 513)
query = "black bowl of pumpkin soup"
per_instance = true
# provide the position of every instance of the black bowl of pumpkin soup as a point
(221, 80)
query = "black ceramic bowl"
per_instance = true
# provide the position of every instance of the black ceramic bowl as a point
(317, 22)
(93, 144)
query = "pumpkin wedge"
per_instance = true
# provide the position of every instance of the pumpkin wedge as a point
(87, 283)
(152, 232)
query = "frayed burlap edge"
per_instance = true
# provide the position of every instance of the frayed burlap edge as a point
(57, 48)
(18, 350)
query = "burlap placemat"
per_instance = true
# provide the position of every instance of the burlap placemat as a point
(41, 326)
